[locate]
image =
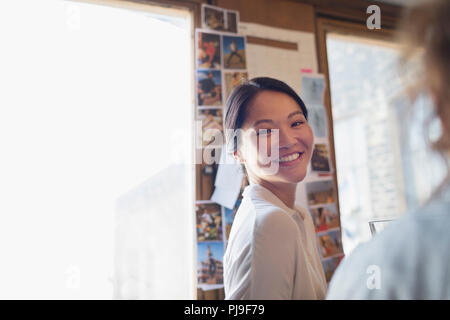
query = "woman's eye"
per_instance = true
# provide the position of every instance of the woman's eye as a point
(297, 123)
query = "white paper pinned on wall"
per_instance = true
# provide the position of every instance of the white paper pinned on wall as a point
(228, 181)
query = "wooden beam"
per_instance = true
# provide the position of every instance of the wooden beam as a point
(273, 43)
(286, 14)
(355, 11)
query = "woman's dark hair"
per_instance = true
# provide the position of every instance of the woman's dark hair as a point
(240, 98)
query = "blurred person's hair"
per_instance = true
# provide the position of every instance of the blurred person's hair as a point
(425, 37)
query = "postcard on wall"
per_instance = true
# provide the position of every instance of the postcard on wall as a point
(330, 265)
(208, 50)
(209, 88)
(320, 192)
(219, 19)
(231, 21)
(313, 89)
(213, 17)
(325, 217)
(232, 80)
(208, 221)
(211, 126)
(234, 52)
(317, 119)
(330, 243)
(210, 264)
(320, 159)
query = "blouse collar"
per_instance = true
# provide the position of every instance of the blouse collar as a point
(264, 193)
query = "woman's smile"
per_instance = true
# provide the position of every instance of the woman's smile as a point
(292, 159)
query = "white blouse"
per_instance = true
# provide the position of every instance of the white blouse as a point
(272, 252)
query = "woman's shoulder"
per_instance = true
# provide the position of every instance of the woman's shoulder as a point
(272, 223)
(399, 256)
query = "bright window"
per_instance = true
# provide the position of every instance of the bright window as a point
(384, 168)
(96, 180)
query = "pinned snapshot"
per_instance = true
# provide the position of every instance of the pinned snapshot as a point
(208, 50)
(209, 221)
(213, 17)
(320, 160)
(209, 88)
(313, 89)
(330, 265)
(330, 243)
(234, 52)
(210, 263)
(320, 192)
(212, 124)
(231, 21)
(317, 119)
(325, 217)
(232, 80)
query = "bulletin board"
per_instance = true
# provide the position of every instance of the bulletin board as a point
(227, 51)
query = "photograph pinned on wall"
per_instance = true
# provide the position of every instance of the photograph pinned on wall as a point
(229, 217)
(209, 221)
(320, 160)
(209, 88)
(317, 119)
(320, 192)
(313, 89)
(210, 264)
(213, 17)
(212, 120)
(330, 265)
(231, 21)
(234, 52)
(330, 243)
(208, 50)
(233, 79)
(325, 217)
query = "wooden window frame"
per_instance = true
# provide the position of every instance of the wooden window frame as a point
(324, 26)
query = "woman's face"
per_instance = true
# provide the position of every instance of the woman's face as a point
(275, 110)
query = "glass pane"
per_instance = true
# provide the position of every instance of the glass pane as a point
(95, 133)
(383, 166)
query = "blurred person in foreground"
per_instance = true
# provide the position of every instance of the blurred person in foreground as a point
(410, 259)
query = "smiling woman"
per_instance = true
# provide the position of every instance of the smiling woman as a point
(271, 252)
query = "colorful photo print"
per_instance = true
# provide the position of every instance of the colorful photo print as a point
(325, 217)
(213, 17)
(232, 18)
(330, 265)
(208, 50)
(313, 87)
(320, 192)
(317, 119)
(210, 262)
(212, 125)
(209, 221)
(319, 160)
(234, 52)
(209, 88)
(330, 243)
(229, 218)
(233, 79)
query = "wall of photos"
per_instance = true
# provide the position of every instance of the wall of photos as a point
(221, 64)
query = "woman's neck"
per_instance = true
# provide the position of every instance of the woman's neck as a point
(284, 191)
